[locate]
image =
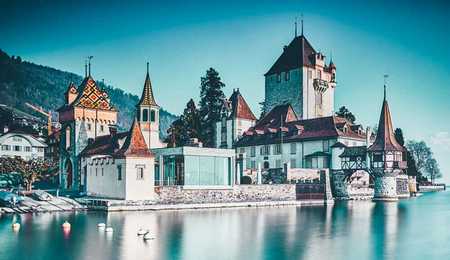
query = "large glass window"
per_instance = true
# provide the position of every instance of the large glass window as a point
(206, 170)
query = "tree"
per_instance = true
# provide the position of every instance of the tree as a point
(399, 136)
(186, 127)
(345, 113)
(30, 171)
(211, 101)
(424, 161)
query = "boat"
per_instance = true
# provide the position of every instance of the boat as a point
(148, 236)
(109, 230)
(101, 225)
(142, 232)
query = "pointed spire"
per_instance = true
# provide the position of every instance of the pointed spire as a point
(385, 80)
(302, 24)
(147, 98)
(89, 59)
(385, 140)
(85, 69)
(295, 27)
(134, 145)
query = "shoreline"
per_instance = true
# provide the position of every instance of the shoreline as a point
(168, 207)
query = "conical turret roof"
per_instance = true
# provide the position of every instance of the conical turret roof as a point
(147, 98)
(134, 145)
(385, 140)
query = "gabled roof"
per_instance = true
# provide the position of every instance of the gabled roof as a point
(239, 107)
(134, 145)
(298, 130)
(104, 145)
(147, 98)
(385, 140)
(90, 96)
(297, 54)
(71, 89)
(277, 117)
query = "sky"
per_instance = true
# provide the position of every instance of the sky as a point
(408, 40)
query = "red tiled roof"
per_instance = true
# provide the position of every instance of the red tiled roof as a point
(277, 117)
(297, 54)
(134, 145)
(239, 107)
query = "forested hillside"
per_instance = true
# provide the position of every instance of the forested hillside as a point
(22, 81)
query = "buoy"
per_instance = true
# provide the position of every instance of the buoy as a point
(16, 226)
(148, 236)
(142, 232)
(109, 230)
(101, 225)
(66, 225)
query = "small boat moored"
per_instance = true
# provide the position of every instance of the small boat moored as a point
(142, 232)
(101, 225)
(109, 230)
(148, 236)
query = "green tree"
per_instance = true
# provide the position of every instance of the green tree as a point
(424, 160)
(186, 127)
(345, 113)
(210, 106)
(398, 133)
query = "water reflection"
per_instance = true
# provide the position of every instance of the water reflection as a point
(346, 230)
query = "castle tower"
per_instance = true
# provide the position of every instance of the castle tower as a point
(301, 78)
(387, 158)
(86, 114)
(147, 112)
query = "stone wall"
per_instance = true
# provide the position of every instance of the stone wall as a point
(240, 193)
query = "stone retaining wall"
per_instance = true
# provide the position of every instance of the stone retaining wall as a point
(240, 193)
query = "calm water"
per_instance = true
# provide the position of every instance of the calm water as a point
(410, 229)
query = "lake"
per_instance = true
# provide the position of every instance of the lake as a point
(416, 228)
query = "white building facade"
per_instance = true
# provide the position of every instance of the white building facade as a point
(22, 145)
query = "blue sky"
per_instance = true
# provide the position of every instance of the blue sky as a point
(406, 39)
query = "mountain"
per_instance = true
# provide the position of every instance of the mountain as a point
(22, 81)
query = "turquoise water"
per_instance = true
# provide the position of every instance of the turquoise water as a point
(417, 228)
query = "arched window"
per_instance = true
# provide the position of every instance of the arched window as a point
(145, 115)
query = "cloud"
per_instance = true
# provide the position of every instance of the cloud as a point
(442, 140)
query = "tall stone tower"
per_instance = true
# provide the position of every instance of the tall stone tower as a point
(388, 159)
(147, 112)
(86, 114)
(301, 77)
